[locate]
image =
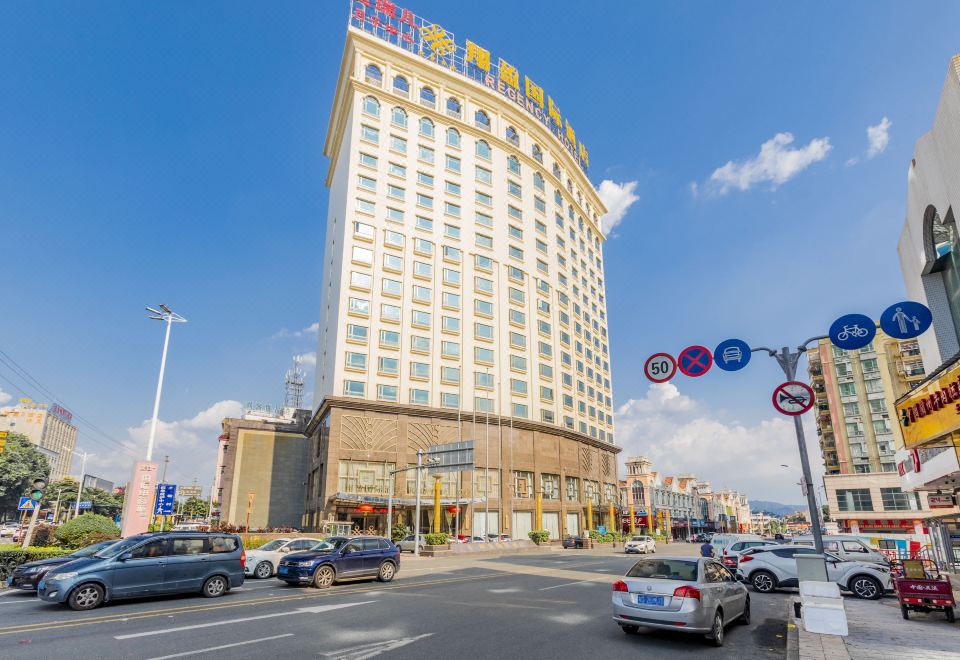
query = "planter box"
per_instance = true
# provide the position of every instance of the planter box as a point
(435, 550)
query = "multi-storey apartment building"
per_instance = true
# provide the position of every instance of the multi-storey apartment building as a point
(49, 427)
(463, 292)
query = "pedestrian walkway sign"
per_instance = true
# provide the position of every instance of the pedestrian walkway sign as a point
(732, 354)
(27, 504)
(852, 331)
(695, 361)
(906, 319)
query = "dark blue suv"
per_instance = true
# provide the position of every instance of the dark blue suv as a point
(340, 558)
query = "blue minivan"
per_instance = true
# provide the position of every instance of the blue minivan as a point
(210, 563)
(340, 557)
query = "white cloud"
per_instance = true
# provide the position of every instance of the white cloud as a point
(310, 331)
(308, 359)
(879, 137)
(618, 198)
(4, 397)
(777, 163)
(683, 436)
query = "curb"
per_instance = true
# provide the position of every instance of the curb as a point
(793, 634)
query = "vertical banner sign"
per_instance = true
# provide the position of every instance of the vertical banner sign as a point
(138, 502)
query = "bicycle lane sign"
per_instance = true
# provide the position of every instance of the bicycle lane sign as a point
(852, 331)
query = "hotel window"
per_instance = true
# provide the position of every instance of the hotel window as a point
(483, 404)
(367, 182)
(483, 263)
(545, 269)
(353, 388)
(419, 344)
(515, 273)
(392, 287)
(537, 153)
(450, 375)
(449, 400)
(513, 164)
(451, 277)
(483, 331)
(546, 393)
(371, 106)
(357, 332)
(515, 252)
(360, 280)
(518, 363)
(568, 401)
(517, 340)
(368, 160)
(426, 127)
(520, 410)
(483, 284)
(361, 255)
(515, 232)
(398, 117)
(389, 339)
(544, 288)
(484, 241)
(364, 231)
(451, 254)
(540, 205)
(482, 380)
(395, 169)
(393, 262)
(419, 397)
(451, 231)
(483, 308)
(543, 306)
(422, 246)
(450, 324)
(389, 313)
(421, 294)
(450, 349)
(545, 349)
(424, 223)
(451, 209)
(453, 138)
(483, 198)
(513, 188)
(426, 155)
(427, 97)
(388, 366)
(484, 220)
(538, 181)
(359, 306)
(556, 171)
(483, 150)
(543, 327)
(420, 318)
(541, 246)
(398, 144)
(483, 175)
(451, 300)
(454, 108)
(401, 86)
(483, 355)
(516, 295)
(481, 120)
(356, 361)
(512, 136)
(546, 371)
(387, 392)
(425, 179)
(419, 370)
(424, 200)
(453, 164)
(514, 212)
(366, 207)
(518, 318)
(422, 269)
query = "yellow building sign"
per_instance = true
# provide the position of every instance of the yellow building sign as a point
(932, 410)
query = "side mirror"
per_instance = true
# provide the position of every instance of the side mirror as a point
(346, 551)
(125, 556)
(285, 549)
(741, 578)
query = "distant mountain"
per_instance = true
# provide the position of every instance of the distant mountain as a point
(775, 508)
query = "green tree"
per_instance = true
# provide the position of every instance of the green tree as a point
(86, 529)
(195, 507)
(104, 503)
(20, 463)
(826, 512)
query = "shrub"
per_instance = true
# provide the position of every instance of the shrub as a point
(399, 533)
(12, 556)
(435, 539)
(539, 536)
(43, 535)
(86, 529)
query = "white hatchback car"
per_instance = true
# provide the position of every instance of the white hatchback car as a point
(640, 544)
(263, 561)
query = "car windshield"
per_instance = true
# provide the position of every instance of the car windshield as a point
(664, 569)
(328, 545)
(120, 547)
(275, 544)
(639, 538)
(91, 550)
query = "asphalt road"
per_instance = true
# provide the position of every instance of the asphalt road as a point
(550, 605)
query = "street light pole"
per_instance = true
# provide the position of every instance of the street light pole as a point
(170, 318)
(83, 468)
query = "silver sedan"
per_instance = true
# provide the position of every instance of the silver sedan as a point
(691, 595)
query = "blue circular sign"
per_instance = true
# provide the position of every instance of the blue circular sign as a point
(732, 354)
(906, 319)
(852, 331)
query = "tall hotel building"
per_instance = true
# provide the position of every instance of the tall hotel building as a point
(463, 293)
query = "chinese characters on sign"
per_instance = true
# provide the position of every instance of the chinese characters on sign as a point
(401, 27)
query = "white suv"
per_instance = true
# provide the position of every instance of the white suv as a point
(262, 562)
(768, 568)
(640, 544)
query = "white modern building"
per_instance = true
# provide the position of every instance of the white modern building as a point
(49, 427)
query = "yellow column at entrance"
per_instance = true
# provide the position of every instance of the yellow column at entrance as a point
(633, 527)
(539, 520)
(613, 526)
(589, 514)
(436, 505)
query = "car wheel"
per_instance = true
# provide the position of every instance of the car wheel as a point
(763, 582)
(323, 577)
(745, 617)
(86, 597)
(716, 630)
(629, 629)
(215, 587)
(904, 612)
(263, 570)
(949, 612)
(387, 571)
(866, 587)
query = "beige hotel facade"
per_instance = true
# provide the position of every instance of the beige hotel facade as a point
(463, 296)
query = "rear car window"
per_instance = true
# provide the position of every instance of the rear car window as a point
(384, 544)
(853, 546)
(223, 544)
(371, 544)
(186, 547)
(664, 569)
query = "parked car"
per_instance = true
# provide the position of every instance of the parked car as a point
(852, 548)
(210, 563)
(262, 562)
(574, 541)
(731, 554)
(721, 541)
(640, 544)
(770, 568)
(8, 528)
(341, 557)
(474, 539)
(408, 544)
(27, 576)
(680, 593)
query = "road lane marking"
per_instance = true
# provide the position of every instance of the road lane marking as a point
(371, 650)
(569, 584)
(300, 610)
(225, 646)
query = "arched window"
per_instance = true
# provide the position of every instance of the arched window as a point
(556, 171)
(512, 136)
(538, 181)
(483, 149)
(453, 107)
(537, 153)
(427, 97)
(371, 106)
(401, 86)
(398, 117)
(513, 164)
(426, 127)
(373, 75)
(453, 138)
(482, 120)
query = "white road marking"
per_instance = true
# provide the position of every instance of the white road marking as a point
(372, 650)
(301, 610)
(567, 584)
(225, 646)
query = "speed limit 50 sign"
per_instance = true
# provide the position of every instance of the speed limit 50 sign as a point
(660, 367)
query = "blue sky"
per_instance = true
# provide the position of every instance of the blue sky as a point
(173, 153)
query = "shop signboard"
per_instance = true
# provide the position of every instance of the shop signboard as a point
(932, 410)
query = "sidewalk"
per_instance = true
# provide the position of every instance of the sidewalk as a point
(877, 630)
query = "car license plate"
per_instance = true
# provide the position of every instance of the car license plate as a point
(650, 600)
(43, 583)
(282, 570)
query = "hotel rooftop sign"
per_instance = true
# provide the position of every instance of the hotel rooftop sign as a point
(401, 27)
